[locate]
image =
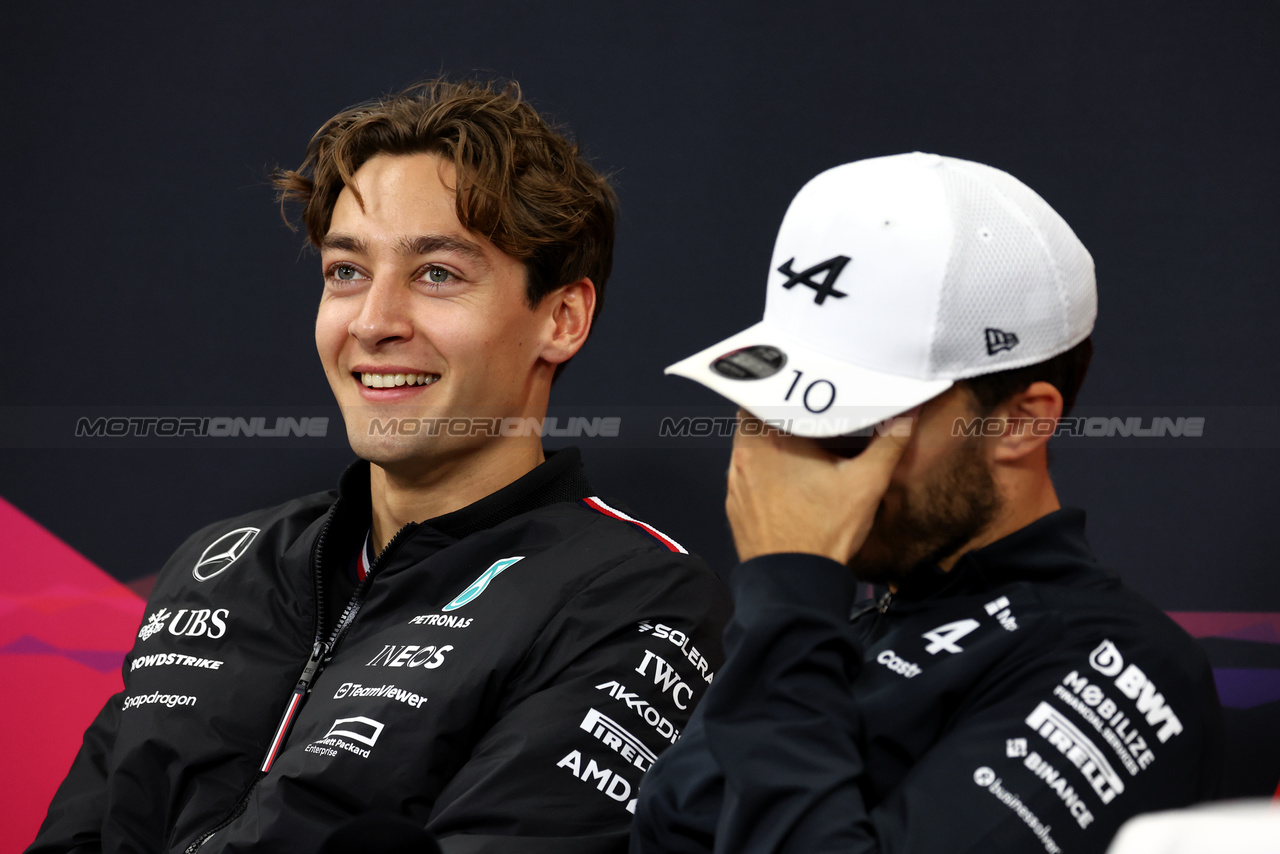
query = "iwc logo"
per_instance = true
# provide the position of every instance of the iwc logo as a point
(223, 552)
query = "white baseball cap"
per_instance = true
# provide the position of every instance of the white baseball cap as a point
(894, 277)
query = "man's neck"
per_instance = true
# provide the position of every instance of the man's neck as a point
(400, 495)
(1025, 496)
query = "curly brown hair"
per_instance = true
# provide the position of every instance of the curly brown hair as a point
(520, 181)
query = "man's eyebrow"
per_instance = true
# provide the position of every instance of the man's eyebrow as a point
(427, 244)
(345, 243)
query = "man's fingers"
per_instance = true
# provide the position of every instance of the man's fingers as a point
(886, 448)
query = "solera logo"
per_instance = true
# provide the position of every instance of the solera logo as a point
(223, 552)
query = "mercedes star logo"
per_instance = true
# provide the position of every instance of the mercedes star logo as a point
(223, 552)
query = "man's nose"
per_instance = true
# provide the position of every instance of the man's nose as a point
(384, 314)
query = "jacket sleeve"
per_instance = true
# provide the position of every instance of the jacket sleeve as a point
(607, 686)
(778, 736)
(73, 824)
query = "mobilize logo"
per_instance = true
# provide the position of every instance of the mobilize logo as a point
(359, 729)
(223, 552)
(192, 623)
(477, 587)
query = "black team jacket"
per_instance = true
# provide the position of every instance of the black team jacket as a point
(1025, 702)
(472, 683)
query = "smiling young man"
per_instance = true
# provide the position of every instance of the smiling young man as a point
(1008, 694)
(463, 639)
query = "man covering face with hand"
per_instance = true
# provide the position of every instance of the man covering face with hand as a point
(927, 323)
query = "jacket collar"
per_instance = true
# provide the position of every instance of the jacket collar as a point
(559, 478)
(1050, 547)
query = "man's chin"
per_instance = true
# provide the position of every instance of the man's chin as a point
(876, 563)
(394, 451)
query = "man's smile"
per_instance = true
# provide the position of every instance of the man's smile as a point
(389, 380)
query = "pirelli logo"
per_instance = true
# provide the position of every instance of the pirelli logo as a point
(614, 736)
(1079, 750)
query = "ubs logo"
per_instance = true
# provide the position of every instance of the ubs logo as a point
(223, 552)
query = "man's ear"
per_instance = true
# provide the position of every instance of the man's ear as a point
(569, 312)
(1031, 416)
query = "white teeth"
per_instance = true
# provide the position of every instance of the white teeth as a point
(393, 380)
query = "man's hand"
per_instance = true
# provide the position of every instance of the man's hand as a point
(787, 494)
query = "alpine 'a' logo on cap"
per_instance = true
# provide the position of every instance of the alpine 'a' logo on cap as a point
(223, 552)
(750, 363)
(827, 287)
(998, 339)
(477, 587)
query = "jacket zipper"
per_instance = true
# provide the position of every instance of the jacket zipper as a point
(321, 653)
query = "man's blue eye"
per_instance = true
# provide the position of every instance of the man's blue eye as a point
(437, 275)
(344, 272)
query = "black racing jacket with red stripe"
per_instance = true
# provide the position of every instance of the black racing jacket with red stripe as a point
(504, 676)
(1025, 702)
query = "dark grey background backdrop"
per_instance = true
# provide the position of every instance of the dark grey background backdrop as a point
(146, 267)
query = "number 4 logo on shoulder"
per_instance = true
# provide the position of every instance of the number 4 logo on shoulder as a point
(944, 637)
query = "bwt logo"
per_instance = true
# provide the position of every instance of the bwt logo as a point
(1135, 685)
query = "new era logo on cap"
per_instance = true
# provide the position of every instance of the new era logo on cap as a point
(923, 270)
(998, 339)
